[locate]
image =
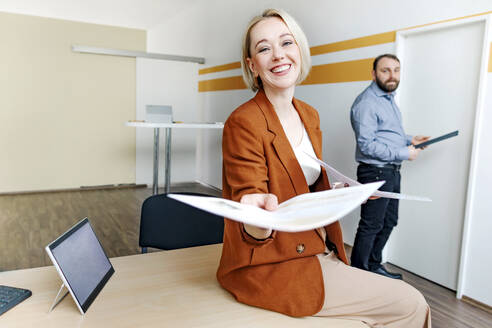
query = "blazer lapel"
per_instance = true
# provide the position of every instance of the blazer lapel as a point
(315, 135)
(282, 145)
(312, 128)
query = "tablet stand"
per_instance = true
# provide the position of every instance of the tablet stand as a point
(57, 298)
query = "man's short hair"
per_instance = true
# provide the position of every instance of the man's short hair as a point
(378, 58)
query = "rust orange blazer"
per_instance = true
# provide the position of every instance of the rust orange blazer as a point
(282, 272)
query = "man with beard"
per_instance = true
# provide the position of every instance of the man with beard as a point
(381, 147)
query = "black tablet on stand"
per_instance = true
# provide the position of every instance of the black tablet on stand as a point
(81, 263)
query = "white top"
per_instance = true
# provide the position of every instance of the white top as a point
(309, 166)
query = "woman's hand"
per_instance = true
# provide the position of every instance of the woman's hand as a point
(268, 202)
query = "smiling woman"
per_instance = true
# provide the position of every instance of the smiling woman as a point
(264, 148)
(274, 58)
(286, 31)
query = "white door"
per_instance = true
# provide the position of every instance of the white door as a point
(437, 95)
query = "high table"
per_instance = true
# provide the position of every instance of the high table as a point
(162, 289)
(167, 154)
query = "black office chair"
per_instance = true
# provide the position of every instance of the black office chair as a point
(167, 224)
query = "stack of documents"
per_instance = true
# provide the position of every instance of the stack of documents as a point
(339, 177)
(301, 213)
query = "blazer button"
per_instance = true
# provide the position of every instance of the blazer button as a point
(300, 248)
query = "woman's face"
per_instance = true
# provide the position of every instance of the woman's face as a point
(275, 56)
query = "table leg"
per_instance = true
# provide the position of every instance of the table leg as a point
(156, 162)
(167, 180)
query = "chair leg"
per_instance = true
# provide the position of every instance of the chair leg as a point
(144, 250)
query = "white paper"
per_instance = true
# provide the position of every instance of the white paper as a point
(339, 177)
(301, 213)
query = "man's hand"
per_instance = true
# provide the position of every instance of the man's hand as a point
(339, 185)
(413, 152)
(268, 202)
(419, 139)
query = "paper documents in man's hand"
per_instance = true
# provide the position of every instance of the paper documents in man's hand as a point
(301, 213)
(339, 177)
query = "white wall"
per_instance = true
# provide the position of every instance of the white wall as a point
(62, 112)
(124, 13)
(477, 262)
(214, 30)
(162, 82)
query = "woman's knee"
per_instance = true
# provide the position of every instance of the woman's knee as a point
(415, 302)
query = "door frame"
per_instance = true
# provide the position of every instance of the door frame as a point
(480, 107)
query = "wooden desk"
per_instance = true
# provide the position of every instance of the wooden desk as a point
(163, 289)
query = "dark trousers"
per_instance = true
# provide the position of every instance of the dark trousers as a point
(378, 218)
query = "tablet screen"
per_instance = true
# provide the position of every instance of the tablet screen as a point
(82, 262)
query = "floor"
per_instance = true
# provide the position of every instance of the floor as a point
(29, 222)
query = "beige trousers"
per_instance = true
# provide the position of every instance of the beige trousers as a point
(378, 301)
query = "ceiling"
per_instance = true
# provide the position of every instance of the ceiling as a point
(140, 14)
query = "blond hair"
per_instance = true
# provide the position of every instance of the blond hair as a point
(254, 83)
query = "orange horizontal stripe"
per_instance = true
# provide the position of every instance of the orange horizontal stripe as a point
(226, 83)
(349, 71)
(323, 49)
(365, 41)
(490, 58)
(219, 68)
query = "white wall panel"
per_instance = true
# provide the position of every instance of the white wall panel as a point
(333, 102)
(161, 82)
(218, 40)
(216, 108)
(478, 270)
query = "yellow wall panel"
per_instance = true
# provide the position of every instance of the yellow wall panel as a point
(349, 71)
(219, 68)
(226, 83)
(365, 41)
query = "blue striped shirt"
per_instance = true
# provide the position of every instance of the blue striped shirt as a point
(378, 129)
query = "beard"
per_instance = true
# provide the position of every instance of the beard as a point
(385, 85)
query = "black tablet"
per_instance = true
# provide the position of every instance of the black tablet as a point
(81, 263)
(434, 140)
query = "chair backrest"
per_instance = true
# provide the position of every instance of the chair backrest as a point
(166, 223)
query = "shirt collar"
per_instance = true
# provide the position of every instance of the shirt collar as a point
(380, 93)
